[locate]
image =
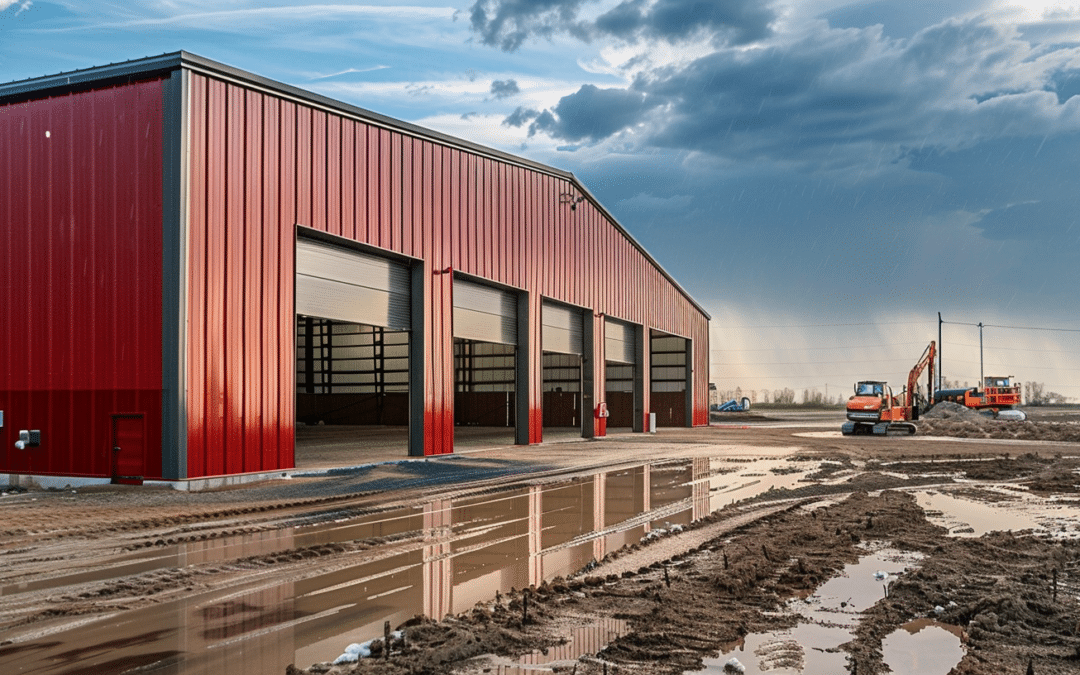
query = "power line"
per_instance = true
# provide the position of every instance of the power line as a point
(830, 325)
(1017, 366)
(994, 325)
(1011, 349)
(783, 377)
(809, 363)
(806, 349)
(1060, 330)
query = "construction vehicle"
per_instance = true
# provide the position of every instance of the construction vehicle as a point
(875, 410)
(999, 397)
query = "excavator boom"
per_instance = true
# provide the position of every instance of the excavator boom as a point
(925, 363)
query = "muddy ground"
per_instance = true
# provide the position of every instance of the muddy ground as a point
(694, 594)
(774, 548)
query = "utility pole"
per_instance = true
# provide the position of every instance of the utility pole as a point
(940, 377)
(981, 377)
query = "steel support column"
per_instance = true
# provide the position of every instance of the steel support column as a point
(597, 367)
(529, 367)
(642, 379)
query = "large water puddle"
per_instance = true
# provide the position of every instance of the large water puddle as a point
(827, 619)
(971, 512)
(452, 553)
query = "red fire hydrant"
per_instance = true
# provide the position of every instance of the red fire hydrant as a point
(601, 414)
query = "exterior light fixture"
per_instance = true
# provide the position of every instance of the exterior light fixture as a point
(571, 199)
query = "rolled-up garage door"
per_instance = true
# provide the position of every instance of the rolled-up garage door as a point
(484, 313)
(619, 343)
(346, 285)
(562, 329)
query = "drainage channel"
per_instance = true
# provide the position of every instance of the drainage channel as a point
(465, 550)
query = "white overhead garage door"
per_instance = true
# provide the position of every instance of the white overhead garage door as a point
(562, 329)
(619, 343)
(484, 313)
(346, 285)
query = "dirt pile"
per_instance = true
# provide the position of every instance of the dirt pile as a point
(957, 421)
(985, 427)
(947, 410)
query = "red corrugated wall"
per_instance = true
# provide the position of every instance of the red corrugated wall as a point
(260, 164)
(80, 279)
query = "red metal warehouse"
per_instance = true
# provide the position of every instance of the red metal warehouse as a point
(205, 270)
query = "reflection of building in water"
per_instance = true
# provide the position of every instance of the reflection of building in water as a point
(471, 547)
(437, 561)
(599, 491)
(536, 512)
(582, 640)
(251, 634)
(700, 487)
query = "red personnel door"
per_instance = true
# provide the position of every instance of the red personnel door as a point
(128, 451)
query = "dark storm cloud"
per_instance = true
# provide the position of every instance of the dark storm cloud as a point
(520, 117)
(504, 88)
(740, 21)
(836, 98)
(898, 20)
(592, 114)
(508, 23)
(1066, 84)
(1028, 220)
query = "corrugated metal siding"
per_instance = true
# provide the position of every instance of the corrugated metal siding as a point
(409, 195)
(80, 288)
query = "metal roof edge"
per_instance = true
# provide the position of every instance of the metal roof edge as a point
(201, 64)
(148, 66)
(648, 256)
(98, 74)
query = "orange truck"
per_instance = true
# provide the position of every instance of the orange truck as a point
(998, 394)
(875, 410)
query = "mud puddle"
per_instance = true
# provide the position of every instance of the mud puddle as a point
(231, 547)
(827, 619)
(465, 551)
(972, 512)
(581, 641)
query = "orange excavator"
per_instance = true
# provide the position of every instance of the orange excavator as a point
(874, 410)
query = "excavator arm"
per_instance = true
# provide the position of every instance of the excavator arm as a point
(926, 362)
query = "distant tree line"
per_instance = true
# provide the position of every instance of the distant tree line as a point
(785, 396)
(1034, 394)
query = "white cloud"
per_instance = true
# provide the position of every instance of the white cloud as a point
(240, 18)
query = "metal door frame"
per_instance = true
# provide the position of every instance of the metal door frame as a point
(114, 456)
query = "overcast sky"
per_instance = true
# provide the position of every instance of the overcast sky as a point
(823, 176)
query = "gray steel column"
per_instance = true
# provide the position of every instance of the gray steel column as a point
(418, 355)
(641, 365)
(174, 233)
(522, 372)
(588, 378)
(689, 382)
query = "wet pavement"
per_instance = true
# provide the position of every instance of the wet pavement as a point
(464, 551)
